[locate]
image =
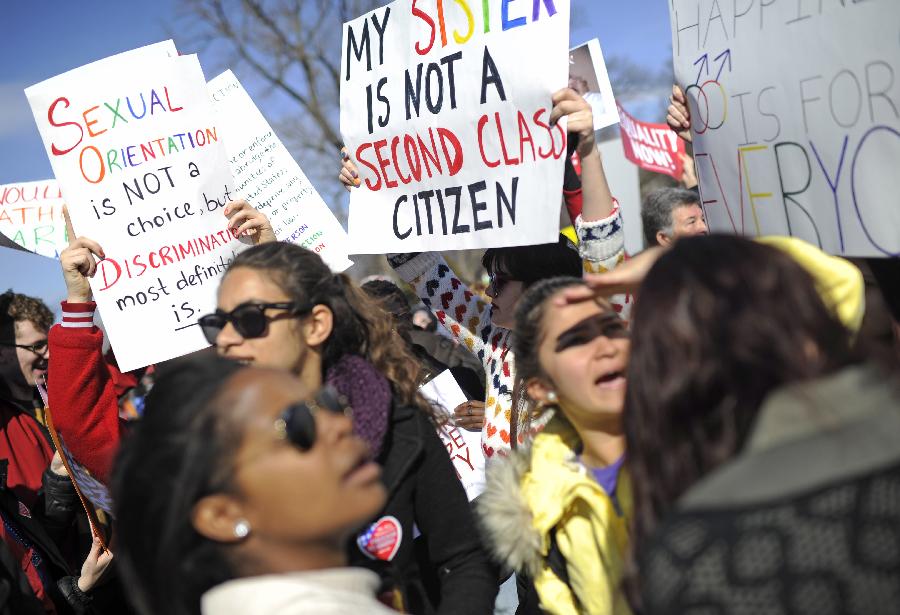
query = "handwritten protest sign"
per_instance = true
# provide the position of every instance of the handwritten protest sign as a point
(267, 176)
(588, 76)
(796, 128)
(653, 147)
(445, 108)
(464, 447)
(31, 216)
(135, 148)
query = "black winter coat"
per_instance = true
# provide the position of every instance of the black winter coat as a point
(424, 492)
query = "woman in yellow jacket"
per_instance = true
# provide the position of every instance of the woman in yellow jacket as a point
(559, 510)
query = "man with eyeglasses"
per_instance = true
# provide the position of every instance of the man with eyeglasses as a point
(24, 322)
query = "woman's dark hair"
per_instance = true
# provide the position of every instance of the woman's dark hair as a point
(528, 264)
(360, 326)
(180, 451)
(721, 323)
(526, 341)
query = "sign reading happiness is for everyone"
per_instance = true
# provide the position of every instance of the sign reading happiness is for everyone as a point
(795, 115)
(445, 108)
(135, 148)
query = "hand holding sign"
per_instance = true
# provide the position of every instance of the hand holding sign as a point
(678, 116)
(580, 117)
(78, 264)
(244, 220)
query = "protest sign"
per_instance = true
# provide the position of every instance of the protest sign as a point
(31, 216)
(464, 447)
(653, 147)
(267, 176)
(796, 131)
(588, 76)
(445, 110)
(134, 145)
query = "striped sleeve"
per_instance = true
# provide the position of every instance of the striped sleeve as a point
(78, 315)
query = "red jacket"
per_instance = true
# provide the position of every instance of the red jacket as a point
(82, 390)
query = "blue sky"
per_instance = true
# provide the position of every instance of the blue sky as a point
(42, 39)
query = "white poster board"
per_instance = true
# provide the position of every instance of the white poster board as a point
(795, 112)
(31, 216)
(268, 177)
(588, 76)
(464, 447)
(445, 108)
(134, 145)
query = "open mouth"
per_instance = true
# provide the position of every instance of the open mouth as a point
(363, 471)
(611, 380)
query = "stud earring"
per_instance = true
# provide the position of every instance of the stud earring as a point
(551, 397)
(241, 529)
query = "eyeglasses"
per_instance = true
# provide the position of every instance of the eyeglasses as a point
(249, 319)
(297, 423)
(38, 348)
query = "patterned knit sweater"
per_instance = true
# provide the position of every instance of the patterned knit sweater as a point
(468, 319)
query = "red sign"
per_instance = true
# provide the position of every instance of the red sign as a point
(653, 147)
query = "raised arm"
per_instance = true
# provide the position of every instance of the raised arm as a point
(83, 400)
(601, 235)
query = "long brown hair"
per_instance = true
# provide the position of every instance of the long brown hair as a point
(360, 327)
(721, 323)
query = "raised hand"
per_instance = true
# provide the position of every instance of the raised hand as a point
(247, 221)
(348, 175)
(78, 264)
(678, 115)
(580, 118)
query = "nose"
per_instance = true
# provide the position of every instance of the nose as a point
(703, 228)
(604, 347)
(227, 338)
(333, 427)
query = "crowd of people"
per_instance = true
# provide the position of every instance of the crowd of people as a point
(698, 428)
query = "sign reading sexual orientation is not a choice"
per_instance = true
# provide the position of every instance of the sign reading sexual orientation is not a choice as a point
(445, 108)
(135, 147)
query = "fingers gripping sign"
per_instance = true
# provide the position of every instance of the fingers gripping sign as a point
(246, 221)
(470, 415)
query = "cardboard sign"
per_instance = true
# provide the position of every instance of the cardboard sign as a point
(588, 76)
(31, 216)
(464, 447)
(445, 108)
(653, 147)
(134, 144)
(267, 176)
(795, 113)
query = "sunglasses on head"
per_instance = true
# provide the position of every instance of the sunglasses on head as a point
(248, 319)
(297, 423)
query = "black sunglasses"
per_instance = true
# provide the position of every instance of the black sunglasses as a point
(249, 319)
(37, 348)
(297, 423)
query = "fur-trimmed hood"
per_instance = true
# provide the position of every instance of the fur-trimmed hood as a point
(542, 499)
(505, 516)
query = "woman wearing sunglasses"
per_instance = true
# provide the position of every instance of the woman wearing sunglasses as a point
(236, 493)
(279, 306)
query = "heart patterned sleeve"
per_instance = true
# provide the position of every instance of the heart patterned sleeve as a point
(601, 244)
(464, 314)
